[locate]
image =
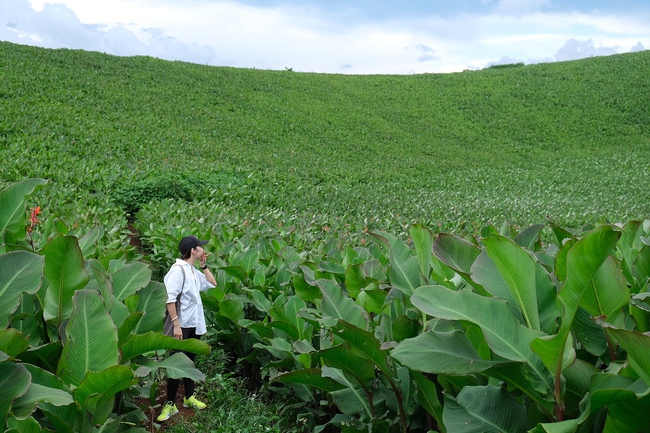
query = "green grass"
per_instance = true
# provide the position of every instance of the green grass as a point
(565, 141)
(232, 407)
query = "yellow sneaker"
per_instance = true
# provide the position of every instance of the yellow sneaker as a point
(168, 410)
(193, 403)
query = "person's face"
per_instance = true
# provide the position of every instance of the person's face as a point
(197, 251)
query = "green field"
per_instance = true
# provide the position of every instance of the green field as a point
(567, 142)
(427, 253)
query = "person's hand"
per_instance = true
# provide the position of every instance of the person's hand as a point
(204, 258)
(178, 333)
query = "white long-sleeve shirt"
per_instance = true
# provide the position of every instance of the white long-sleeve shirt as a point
(191, 311)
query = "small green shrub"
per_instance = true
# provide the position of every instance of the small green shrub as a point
(165, 185)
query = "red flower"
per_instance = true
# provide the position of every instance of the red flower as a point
(33, 218)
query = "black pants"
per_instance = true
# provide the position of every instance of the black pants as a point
(173, 384)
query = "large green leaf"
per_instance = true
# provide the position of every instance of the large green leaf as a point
(351, 399)
(25, 405)
(14, 382)
(423, 242)
(143, 343)
(344, 359)
(428, 398)
(152, 300)
(607, 388)
(311, 377)
(12, 205)
(506, 336)
(583, 261)
(103, 386)
(608, 293)
(364, 344)
(484, 409)
(455, 252)
(12, 342)
(404, 271)
(129, 279)
(20, 271)
(66, 273)
(335, 304)
(518, 271)
(441, 353)
(91, 339)
(637, 347)
(177, 366)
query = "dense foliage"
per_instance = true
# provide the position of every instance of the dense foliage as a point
(564, 141)
(316, 192)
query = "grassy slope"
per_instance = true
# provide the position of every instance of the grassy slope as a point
(569, 141)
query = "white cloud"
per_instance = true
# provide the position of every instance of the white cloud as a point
(224, 32)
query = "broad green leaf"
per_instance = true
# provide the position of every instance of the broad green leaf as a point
(237, 272)
(589, 333)
(25, 405)
(455, 252)
(404, 271)
(106, 383)
(428, 398)
(606, 389)
(423, 242)
(344, 359)
(129, 279)
(583, 261)
(335, 304)
(177, 366)
(144, 343)
(12, 205)
(248, 260)
(91, 339)
(20, 271)
(631, 414)
(351, 399)
(28, 425)
(637, 347)
(152, 301)
(232, 308)
(100, 281)
(331, 267)
(14, 382)
(307, 292)
(372, 301)
(506, 336)
(87, 242)
(310, 377)
(66, 273)
(12, 342)
(441, 353)
(529, 236)
(518, 377)
(260, 301)
(364, 344)
(355, 280)
(28, 320)
(484, 409)
(607, 294)
(518, 271)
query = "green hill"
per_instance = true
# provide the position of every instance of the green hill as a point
(565, 141)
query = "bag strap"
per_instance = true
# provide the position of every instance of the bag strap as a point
(178, 298)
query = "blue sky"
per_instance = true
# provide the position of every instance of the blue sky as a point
(335, 36)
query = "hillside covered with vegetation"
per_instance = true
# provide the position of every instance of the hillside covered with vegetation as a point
(569, 142)
(427, 253)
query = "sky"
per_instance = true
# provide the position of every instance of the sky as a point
(335, 36)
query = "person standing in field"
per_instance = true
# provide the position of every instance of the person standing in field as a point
(188, 321)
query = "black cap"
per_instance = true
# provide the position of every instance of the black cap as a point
(189, 242)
